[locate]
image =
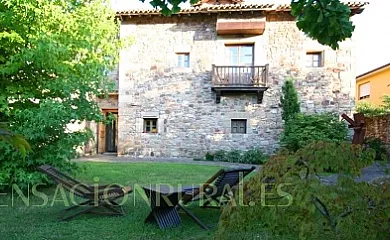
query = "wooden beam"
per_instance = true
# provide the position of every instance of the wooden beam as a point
(241, 27)
(348, 119)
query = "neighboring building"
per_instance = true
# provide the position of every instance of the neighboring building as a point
(210, 78)
(373, 85)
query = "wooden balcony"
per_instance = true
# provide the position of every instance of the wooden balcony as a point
(239, 79)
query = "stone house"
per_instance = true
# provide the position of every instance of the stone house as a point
(209, 78)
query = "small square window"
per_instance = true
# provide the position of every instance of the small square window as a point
(183, 60)
(150, 125)
(314, 59)
(238, 126)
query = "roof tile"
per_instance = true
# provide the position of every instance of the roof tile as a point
(206, 8)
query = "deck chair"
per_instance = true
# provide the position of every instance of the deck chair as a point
(100, 199)
(218, 188)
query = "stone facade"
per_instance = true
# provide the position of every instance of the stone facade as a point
(190, 122)
(379, 127)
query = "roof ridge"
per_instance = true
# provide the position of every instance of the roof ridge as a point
(234, 7)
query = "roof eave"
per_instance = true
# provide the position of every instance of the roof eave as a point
(373, 71)
(356, 8)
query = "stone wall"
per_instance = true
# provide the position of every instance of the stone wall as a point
(378, 127)
(109, 102)
(190, 123)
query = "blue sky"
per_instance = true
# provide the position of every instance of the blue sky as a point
(371, 35)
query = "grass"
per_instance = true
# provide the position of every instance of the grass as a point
(19, 221)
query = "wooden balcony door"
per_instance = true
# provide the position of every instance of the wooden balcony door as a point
(240, 55)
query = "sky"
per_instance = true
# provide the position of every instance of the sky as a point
(371, 35)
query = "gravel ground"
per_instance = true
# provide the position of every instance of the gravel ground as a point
(370, 173)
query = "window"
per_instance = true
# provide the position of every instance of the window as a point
(364, 90)
(238, 126)
(183, 60)
(150, 125)
(240, 55)
(314, 59)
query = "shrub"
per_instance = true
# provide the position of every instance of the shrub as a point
(305, 128)
(234, 156)
(378, 146)
(209, 157)
(369, 110)
(337, 157)
(253, 156)
(220, 156)
(289, 100)
(305, 208)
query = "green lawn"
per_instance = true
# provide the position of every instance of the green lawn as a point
(31, 222)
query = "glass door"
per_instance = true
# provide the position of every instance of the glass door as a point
(240, 59)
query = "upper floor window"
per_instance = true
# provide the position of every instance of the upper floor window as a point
(314, 59)
(150, 125)
(183, 60)
(238, 126)
(240, 55)
(364, 90)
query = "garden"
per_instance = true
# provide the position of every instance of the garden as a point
(290, 197)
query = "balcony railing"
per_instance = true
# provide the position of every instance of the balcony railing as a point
(240, 76)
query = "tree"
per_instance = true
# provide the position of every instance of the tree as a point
(54, 60)
(326, 21)
(289, 100)
(17, 141)
(292, 196)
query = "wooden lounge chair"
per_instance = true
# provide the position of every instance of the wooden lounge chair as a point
(217, 188)
(164, 203)
(98, 199)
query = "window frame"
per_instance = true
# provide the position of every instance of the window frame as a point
(182, 56)
(239, 46)
(238, 126)
(320, 61)
(369, 91)
(149, 121)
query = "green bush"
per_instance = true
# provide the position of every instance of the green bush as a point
(306, 208)
(305, 128)
(252, 156)
(336, 157)
(221, 156)
(234, 156)
(289, 100)
(370, 110)
(378, 146)
(209, 157)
